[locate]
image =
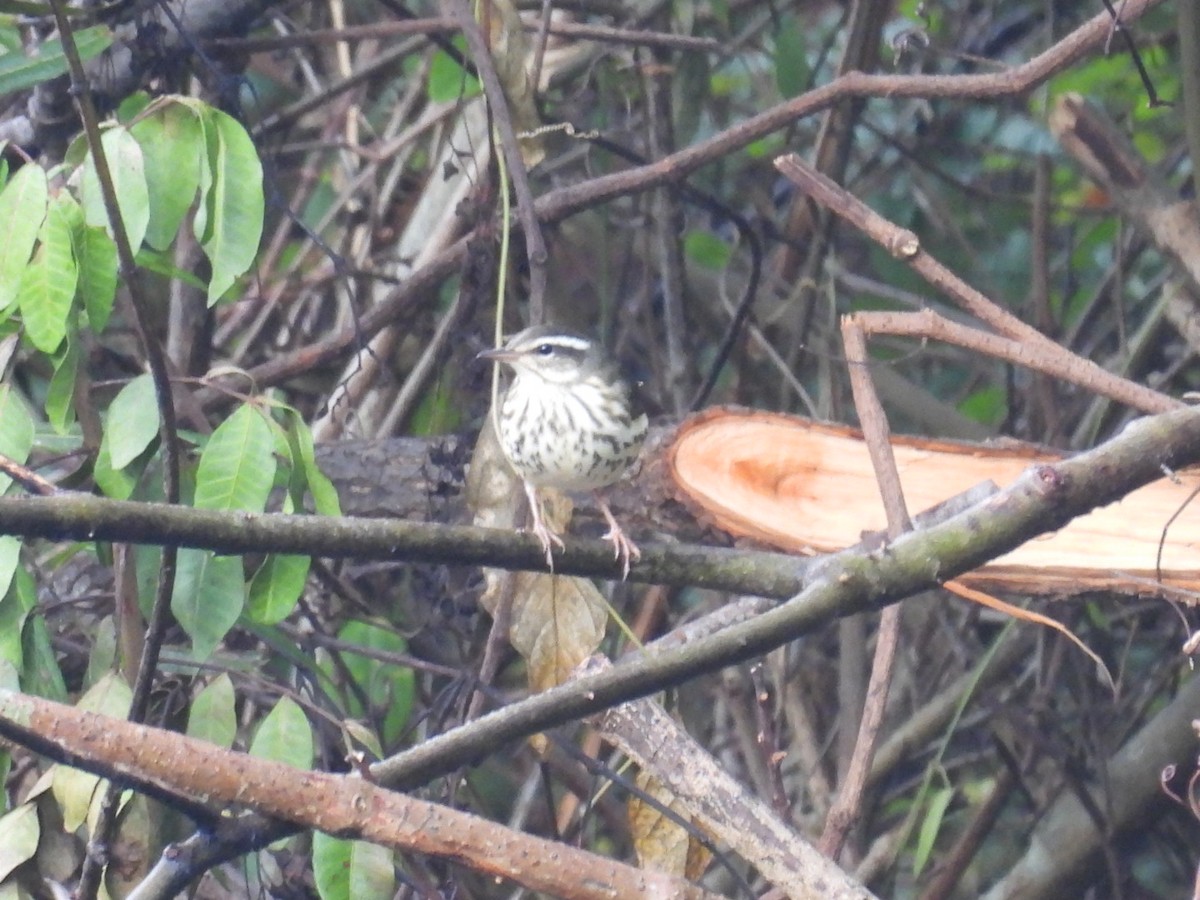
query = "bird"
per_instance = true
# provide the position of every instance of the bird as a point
(569, 420)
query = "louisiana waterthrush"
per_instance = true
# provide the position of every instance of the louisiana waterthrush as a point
(569, 420)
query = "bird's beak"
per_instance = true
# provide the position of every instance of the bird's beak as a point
(497, 354)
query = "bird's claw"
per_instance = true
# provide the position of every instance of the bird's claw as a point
(624, 549)
(548, 540)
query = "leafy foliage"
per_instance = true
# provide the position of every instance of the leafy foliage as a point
(18, 71)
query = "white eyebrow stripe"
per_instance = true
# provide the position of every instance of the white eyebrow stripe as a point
(565, 340)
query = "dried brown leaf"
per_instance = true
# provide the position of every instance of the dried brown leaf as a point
(512, 54)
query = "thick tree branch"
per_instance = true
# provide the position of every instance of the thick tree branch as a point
(645, 732)
(171, 764)
(86, 518)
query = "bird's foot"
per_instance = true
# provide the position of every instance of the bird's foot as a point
(624, 549)
(539, 528)
(548, 539)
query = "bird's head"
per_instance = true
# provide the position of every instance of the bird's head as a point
(556, 356)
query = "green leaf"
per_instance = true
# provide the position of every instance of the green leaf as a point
(10, 555)
(109, 697)
(19, 836)
(148, 560)
(132, 422)
(439, 411)
(115, 483)
(212, 717)
(75, 789)
(96, 255)
(386, 687)
(103, 657)
(16, 430)
(229, 219)
(276, 587)
(161, 264)
(706, 249)
(48, 286)
(70, 210)
(18, 72)
(331, 866)
(939, 801)
(22, 210)
(372, 871)
(284, 736)
(237, 466)
(12, 620)
(208, 598)
(324, 494)
(352, 870)
(447, 80)
(41, 674)
(172, 142)
(792, 72)
(988, 405)
(60, 394)
(128, 170)
(133, 106)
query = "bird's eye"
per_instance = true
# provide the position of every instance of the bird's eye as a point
(545, 349)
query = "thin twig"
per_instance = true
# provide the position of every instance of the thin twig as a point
(105, 823)
(535, 245)
(447, 25)
(905, 245)
(667, 228)
(540, 42)
(559, 204)
(1062, 364)
(27, 478)
(1011, 82)
(847, 805)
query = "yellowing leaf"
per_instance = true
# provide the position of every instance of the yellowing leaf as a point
(19, 832)
(74, 789)
(557, 622)
(662, 844)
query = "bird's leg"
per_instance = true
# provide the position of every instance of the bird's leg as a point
(624, 548)
(538, 527)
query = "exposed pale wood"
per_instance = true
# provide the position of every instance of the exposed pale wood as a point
(809, 487)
